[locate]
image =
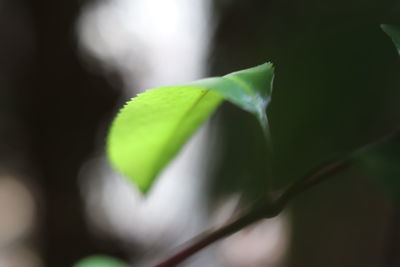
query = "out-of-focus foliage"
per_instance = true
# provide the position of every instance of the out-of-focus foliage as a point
(100, 261)
(336, 88)
(382, 162)
(394, 33)
(350, 86)
(151, 129)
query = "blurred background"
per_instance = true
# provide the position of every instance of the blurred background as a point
(67, 66)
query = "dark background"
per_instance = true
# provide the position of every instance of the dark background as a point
(336, 88)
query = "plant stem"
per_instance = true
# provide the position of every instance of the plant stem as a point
(263, 120)
(209, 238)
(251, 216)
(258, 212)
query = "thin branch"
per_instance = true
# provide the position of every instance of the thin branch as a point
(308, 181)
(250, 217)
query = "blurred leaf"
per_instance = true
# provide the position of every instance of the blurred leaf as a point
(382, 163)
(394, 33)
(100, 261)
(151, 129)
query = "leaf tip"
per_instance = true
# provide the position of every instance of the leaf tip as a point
(144, 188)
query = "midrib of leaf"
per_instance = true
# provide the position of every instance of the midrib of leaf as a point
(183, 118)
(242, 84)
(179, 124)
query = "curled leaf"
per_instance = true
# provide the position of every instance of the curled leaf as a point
(151, 129)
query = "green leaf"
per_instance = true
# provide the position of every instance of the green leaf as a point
(394, 32)
(151, 129)
(382, 163)
(100, 261)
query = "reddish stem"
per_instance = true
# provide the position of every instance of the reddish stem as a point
(311, 179)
